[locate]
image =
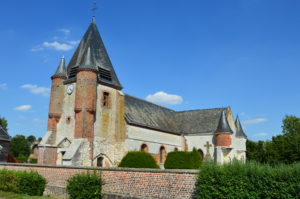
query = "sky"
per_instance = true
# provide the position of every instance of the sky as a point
(183, 54)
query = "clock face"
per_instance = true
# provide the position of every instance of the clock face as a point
(70, 89)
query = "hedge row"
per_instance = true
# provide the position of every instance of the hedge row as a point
(137, 159)
(183, 160)
(251, 180)
(30, 183)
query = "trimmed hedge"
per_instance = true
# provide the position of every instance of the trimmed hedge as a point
(183, 160)
(84, 186)
(137, 159)
(30, 183)
(251, 180)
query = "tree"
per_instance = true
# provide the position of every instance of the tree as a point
(3, 123)
(31, 139)
(19, 146)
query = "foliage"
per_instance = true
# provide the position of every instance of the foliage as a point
(22, 158)
(23, 182)
(84, 186)
(3, 123)
(183, 160)
(251, 180)
(33, 160)
(9, 195)
(137, 159)
(31, 139)
(284, 148)
(19, 146)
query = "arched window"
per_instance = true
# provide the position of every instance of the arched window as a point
(144, 148)
(162, 154)
(201, 153)
(100, 162)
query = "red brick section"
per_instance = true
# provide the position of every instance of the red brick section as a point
(223, 140)
(129, 183)
(85, 104)
(56, 100)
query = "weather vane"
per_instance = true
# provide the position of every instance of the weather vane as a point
(94, 8)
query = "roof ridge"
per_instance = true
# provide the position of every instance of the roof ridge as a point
(205, 109)
(150, 102)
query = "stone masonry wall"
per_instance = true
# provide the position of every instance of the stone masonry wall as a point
(119, 182)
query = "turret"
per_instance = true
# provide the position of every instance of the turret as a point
(57, 95)
(223, 132)
(85, 98)
(239, 129)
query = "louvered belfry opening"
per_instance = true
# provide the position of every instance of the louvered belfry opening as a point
(104, 74)
(73, 72)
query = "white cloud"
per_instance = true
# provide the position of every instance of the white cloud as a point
(3, 86)
(164, 98)
(260, 134)
(37, 89)
(65, 31)
(37, 48)
(74, 42)
(58, 46)
(255, 121)
(23, 108)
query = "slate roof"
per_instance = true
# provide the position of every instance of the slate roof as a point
(223, 126)
(239, 129)
(4, 135)
(146, 114)
(61, 70)
(100, 59)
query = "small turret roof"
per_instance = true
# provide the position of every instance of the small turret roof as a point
(92, 46)
(4, 135)
(239, 129)
(223, 126)
(61, 69)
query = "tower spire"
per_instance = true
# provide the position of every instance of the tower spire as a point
(223, 126)
(61, 69)
(239, 129)
(94, 10)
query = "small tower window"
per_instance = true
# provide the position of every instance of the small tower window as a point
(105, 101)
(100, 162)
(144, 148)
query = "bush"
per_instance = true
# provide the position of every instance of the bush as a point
(33, 160)
(84, 186)
(30, 183)
(251, 180)
(22, 158)
(137, 159)
(183, 160)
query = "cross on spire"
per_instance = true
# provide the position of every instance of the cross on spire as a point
(94, 8)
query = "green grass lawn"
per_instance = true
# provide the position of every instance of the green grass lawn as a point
(8, 195)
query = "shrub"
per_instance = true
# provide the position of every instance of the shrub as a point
(137, 159)
(22, 158)
(30, 183)
(84, 186)
(183, 160)
(33, 160)
(251, 180)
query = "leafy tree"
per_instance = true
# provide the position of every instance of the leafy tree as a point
(3, 123)
(19, 146)
(31, 139)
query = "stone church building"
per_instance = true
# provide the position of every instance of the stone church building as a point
(93, 123)
(4, 144)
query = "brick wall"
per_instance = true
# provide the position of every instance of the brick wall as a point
(120, 182)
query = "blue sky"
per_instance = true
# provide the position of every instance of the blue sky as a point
(185, 54)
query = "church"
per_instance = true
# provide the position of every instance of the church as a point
(4, 144)
(91, 122)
